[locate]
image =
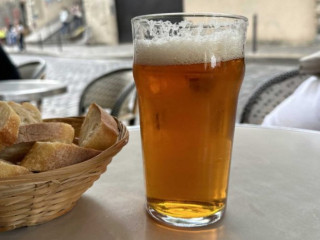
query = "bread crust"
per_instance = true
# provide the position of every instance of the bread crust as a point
(99, 129)
(9, 125)
(10, 170)
(44, 156)
(46, 132)
(16, 152)
(31, 133)
(27, 112)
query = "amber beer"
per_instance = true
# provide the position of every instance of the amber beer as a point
(187, 127)
(188, 91)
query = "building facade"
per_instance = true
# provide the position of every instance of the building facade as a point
(10, 12)
(285, 21)
(292, 22)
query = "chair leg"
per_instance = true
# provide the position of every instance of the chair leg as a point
(132, 121)
(134, 110)
(39, 104)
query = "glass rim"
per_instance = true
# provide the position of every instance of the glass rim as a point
(179, 14)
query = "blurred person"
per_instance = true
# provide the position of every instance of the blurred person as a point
(302, 108)
(8, 69)
(11, 35)
(20, 35)
(64, 19)
(77, 14)
(2, 35)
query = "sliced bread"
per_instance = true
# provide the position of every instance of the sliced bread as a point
(37, 132)
(99, 129)
(46, 132)
(27, 112)
(16, 152)
(44, 156)
(8, 169)
(9, 125)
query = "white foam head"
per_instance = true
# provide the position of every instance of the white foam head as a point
(174, 44)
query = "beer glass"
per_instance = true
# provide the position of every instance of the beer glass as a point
(188, 69)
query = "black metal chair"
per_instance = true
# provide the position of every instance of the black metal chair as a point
(114, 91)
(270, 94)
(120, 107)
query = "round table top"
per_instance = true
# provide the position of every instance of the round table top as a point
(273, 194)
(30, 89)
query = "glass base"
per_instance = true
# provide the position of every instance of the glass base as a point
(185, 222)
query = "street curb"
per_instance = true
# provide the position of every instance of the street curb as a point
(66, 55)
(250, 57)
(275, 59)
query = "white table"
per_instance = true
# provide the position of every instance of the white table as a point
(29, 90)
(274, 194)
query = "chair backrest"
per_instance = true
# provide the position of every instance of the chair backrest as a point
(123, 101)
(107, 90)
(126, 106)
(270, 94)
(310, 64)
(33, 70)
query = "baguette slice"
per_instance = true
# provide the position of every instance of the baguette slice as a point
(16, 152)
(37, 132)
(99, 129)
(46, 132)
(44, 156)
(9, 125)
(10, 170)
(27, 112)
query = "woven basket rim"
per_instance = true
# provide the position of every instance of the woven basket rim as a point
(104, 156)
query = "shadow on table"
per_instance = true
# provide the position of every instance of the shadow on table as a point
(85, 219)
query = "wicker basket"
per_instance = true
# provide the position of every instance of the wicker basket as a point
(38, 198)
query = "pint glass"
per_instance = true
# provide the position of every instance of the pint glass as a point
(188, 69)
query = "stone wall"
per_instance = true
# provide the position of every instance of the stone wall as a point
(101, 21)
(41, 13)
(6, 12)
(285, 21)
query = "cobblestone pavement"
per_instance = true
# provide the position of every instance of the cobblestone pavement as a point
(77, 73)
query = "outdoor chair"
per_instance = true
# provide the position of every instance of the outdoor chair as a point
(270, 94)
(114, 91)
(33, 70)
